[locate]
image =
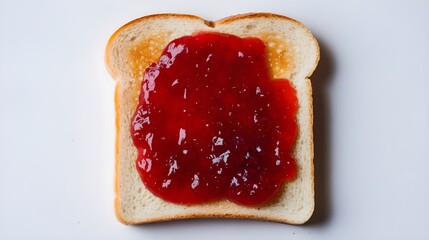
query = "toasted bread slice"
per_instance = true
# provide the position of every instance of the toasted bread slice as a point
(293, 54)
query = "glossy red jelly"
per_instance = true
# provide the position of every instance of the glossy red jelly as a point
(211, 123)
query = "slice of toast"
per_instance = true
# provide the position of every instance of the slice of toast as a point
(293, 54)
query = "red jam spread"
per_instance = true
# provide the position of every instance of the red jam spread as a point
(211, 123)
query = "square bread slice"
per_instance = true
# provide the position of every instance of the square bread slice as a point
(293, 54)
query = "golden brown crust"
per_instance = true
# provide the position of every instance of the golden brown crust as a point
(117, 123)
(310, 112)
(254, 15)
(153, 16)
(206, 22)
(272, 16)
(210, 215)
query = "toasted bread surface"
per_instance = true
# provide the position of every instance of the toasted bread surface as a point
(293, 54)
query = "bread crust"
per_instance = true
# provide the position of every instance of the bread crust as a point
(206, 214)
(137, 20)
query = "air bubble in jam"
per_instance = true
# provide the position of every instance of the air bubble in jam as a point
(211, 123)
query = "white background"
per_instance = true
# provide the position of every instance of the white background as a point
(371, 99)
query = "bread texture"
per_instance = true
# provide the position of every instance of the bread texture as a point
(293, 54)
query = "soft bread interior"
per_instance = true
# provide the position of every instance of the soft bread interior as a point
(293, 54)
